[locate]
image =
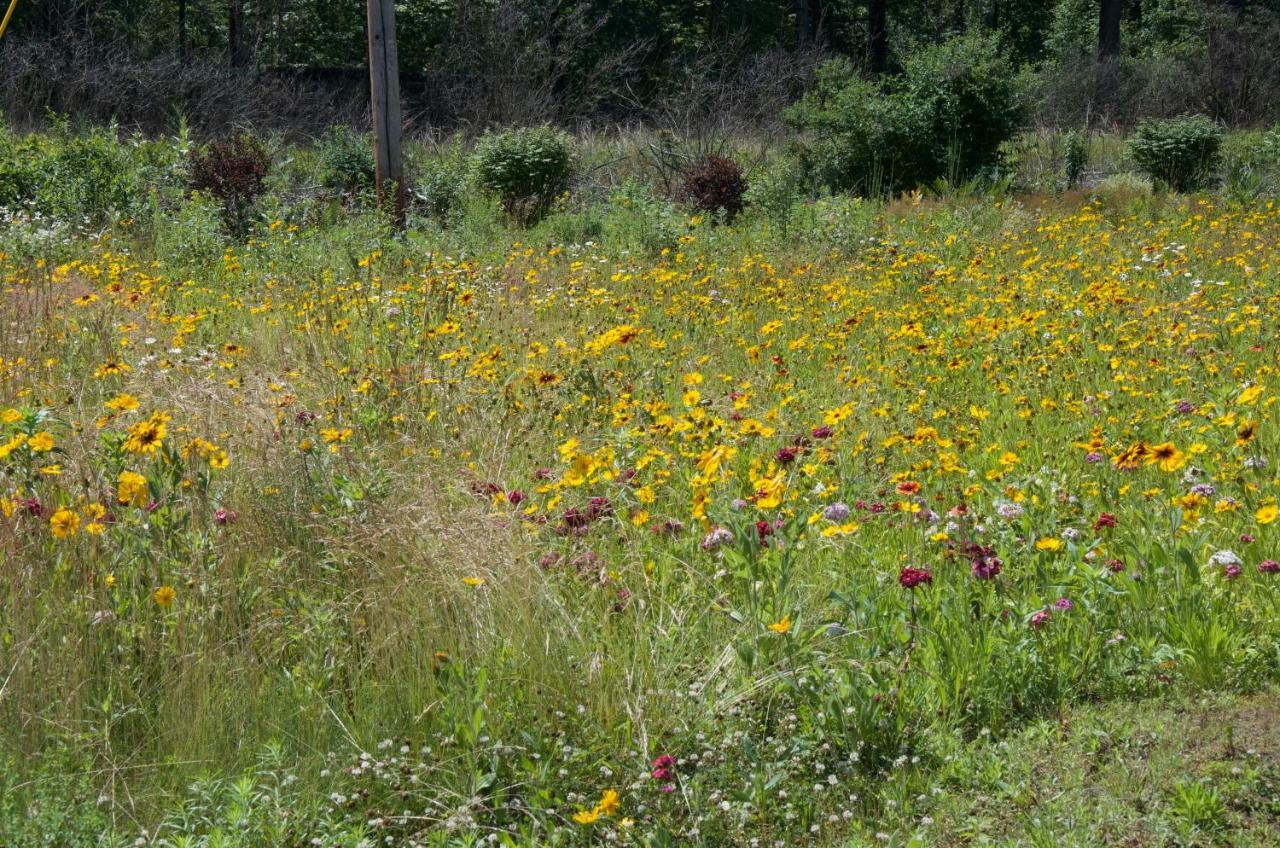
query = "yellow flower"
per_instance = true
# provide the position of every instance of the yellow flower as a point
(1048, 543)
(147, 436)
(12, 445)
(473, 581)
(769, 490)
(1167, 457)
(608, 806)
(10, 416)
(1266, 514)
(1249, 395)
(122, 403)
(782, 625)
(64, 523)
(164, 596)
(609, 802)
(131, 488)
(110, 580)
(41, 442)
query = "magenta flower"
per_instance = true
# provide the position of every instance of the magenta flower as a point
(910, 578)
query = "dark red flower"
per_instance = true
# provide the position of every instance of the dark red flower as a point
(910, 578)
(1105, 520)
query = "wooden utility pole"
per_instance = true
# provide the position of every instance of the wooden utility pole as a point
(384, 82)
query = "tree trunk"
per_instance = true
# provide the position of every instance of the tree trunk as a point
(804, 31)
(1109, 13)
(877, 35)
(235, 32)
(183, 47)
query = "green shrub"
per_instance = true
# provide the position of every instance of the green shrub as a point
(1251, 164)
(527, 168)
(346, 161)
(775, 192)
(69, 175)
(639, 219)
(437, 189)
(945, 116)
(1076, 156)
(1182, 153)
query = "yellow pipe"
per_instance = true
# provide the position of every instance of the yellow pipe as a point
(13, 4)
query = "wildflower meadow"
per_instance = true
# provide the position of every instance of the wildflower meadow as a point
(333, 538)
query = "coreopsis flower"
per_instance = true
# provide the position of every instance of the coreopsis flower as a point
(131, 488)
(146, 436)
(64, 523)
(41, 442)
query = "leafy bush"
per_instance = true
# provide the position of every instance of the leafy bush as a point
(234, 173)
(527, 168)
(945, 116)
(1251, 164)
(1181, 152)
(714, 184)
(68, 176)
(1076, 156)
(346, 161)
(776, 191)
(438, 188)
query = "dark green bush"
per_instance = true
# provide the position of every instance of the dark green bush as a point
(346, 160)
(527, 168)
(1182, 153)
(1076, 156)
(944, 116)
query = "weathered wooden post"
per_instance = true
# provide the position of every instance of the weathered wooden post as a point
(384, 82)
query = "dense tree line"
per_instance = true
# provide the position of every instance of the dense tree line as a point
(515, 59)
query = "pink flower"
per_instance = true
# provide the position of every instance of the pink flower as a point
(1041, 618)
(1269, 566)
(664, 768)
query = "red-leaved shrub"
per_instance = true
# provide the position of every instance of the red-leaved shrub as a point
(714, 183)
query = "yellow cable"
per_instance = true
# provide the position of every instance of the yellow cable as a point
(13, 4)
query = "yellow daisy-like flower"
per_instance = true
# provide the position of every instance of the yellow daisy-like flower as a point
(1048, 543)
(122, 403)
(1267, 514)
(473, 581)
(41, 442)
(164, 596)
(131, 488)
(782, 625)
(64, 523)
(147, 436)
